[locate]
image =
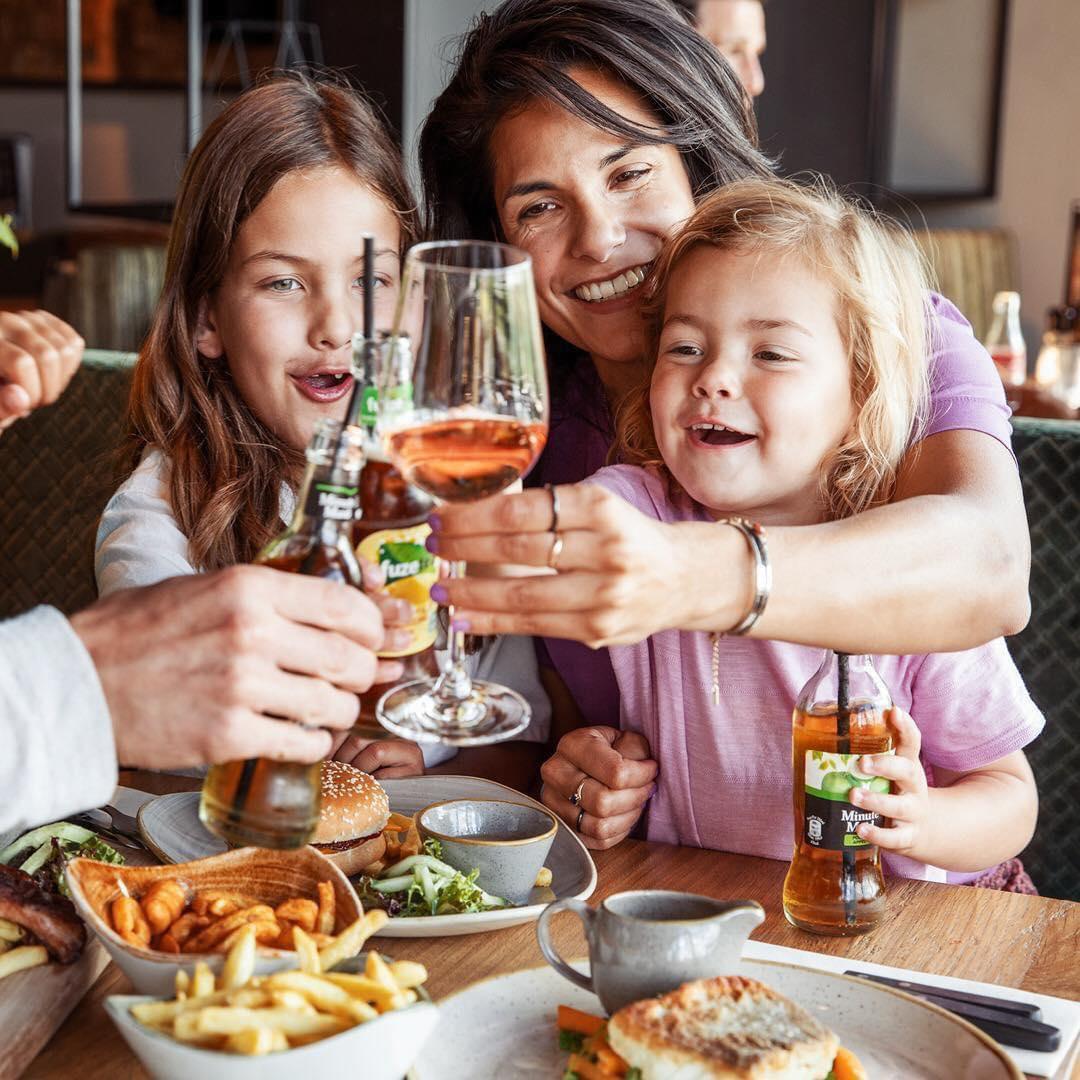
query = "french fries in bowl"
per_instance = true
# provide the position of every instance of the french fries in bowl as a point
(337, 1011)
(156, 921)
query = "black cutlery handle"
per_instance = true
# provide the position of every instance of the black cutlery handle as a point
(999, 1019)
(1020, 1008)
(1007, 1028)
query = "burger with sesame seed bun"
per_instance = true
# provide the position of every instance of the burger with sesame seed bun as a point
(354, 812)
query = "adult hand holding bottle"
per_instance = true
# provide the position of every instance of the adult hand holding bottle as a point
(211, 668)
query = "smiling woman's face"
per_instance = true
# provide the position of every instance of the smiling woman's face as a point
(592, 211)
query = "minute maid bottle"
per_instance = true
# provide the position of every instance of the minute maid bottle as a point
(390, 532)
(834, 885)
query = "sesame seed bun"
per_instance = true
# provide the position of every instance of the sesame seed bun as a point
(354, 811)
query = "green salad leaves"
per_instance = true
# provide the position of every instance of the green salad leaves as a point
(425, 885)
(43, 853)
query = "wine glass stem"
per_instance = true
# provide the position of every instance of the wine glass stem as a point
(454, 685)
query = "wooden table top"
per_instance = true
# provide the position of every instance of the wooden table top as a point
(1026, 942)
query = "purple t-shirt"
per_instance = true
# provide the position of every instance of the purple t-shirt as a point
(725, 770)
(966, 393)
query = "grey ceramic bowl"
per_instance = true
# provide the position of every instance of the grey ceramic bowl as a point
(507, 842)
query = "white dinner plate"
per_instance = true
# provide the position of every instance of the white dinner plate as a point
(171, 827)
(896, 1037)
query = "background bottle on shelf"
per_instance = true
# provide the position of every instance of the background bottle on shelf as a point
(1057, 369)
(1005, 343)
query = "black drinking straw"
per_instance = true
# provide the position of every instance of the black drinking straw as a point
(352, 415)
(843, 746)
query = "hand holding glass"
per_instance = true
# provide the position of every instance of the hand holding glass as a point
(463, 409)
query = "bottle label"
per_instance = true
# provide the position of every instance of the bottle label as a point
(1011, 364)
(369, 406)
(829, 819)
(332, 502)
(410, 571)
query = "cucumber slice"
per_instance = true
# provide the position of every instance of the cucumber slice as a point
(63, 830)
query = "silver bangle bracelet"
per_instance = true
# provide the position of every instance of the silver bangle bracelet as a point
(755, 537)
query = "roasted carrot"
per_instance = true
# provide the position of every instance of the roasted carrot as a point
(847, 1066)
(571, 1019)
(608, 1060)
(586, 1069)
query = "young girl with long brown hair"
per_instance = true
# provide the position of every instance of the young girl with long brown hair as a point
(251, 341)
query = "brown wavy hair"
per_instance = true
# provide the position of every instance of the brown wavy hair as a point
(226, 466)
(880, 281)
(524, 50)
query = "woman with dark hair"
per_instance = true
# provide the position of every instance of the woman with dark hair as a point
(584, 131)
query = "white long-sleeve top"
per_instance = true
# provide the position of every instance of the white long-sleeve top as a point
(139, 543)
(57, 753)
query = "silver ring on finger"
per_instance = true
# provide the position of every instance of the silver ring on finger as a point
(553, 492)
(580, 816)
(555, 552)
(575, 799)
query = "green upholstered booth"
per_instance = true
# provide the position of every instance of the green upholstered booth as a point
(1048, 650)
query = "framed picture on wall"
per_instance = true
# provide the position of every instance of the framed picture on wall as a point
(942, 114)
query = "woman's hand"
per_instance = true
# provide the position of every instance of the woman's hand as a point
(38, 355)
(385, 759)
(621, 575)
(908, 806)
(615, 773)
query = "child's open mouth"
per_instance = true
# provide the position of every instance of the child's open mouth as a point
(716, 435)
(324, 386)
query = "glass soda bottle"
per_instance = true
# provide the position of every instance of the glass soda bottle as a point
(392, 528)
(834, 884)
(1005, 342)
(275, 804)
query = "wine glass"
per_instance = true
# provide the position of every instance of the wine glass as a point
(463, 411)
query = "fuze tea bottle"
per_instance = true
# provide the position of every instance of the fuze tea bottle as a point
(275, 804)
(834, 884)
(392, 528)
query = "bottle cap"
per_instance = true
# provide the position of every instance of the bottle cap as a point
(1064, 319)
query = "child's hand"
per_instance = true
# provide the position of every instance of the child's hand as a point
(385, 759)
(908, 806)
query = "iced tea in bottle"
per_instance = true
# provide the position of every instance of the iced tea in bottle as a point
(392, 528)
(275, 804)
(834, 884)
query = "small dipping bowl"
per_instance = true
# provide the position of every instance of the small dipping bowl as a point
(507, 842)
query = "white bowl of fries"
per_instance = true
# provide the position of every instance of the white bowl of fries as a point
(367, 1017)
(156, 921)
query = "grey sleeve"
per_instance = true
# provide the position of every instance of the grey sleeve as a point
(57, 753)
(138, 539)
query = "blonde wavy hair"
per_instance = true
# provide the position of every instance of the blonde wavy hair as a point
(226, 465)
(881, 284)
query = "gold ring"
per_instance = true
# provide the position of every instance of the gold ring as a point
(577, 824)
(555, 552)
(554, 508)
(575, 799)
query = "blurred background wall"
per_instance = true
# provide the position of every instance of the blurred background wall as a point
(817, 110)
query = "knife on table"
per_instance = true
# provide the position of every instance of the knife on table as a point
(1014, 1023)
